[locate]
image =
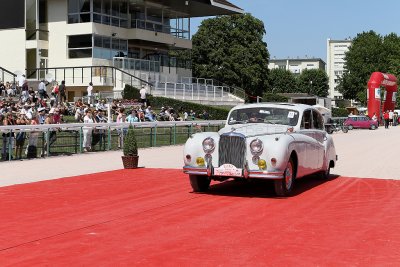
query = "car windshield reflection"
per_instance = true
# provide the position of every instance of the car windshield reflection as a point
(266, 115)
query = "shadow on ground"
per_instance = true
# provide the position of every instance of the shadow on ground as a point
(263, 188)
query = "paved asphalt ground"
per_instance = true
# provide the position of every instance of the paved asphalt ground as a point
(362, 154)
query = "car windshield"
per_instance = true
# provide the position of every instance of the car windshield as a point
(270, 115)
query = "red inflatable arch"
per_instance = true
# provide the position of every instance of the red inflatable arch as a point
(378, 79)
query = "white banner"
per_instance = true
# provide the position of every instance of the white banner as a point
(377, 93)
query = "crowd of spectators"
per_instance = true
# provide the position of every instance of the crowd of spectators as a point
(23, 105)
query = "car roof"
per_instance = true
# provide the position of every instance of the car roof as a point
(298, 107)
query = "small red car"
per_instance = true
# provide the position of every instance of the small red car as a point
(360, 122)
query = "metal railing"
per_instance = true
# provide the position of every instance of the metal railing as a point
(82, 75)
(136, 64)
(7, 76)
(61, 139)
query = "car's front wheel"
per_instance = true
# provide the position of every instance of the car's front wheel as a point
(350, 127)
(373, 127)
(284, 187)
(199, 183)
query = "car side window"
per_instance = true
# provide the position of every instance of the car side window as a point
(318, 121)
(306, 121)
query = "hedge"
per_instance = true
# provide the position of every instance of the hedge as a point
(339, 112)
(215, 113)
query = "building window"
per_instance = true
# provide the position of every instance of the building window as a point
(80, 46)
(78, 11)
(106, 47)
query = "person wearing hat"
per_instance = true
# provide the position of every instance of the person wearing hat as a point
(42, 115)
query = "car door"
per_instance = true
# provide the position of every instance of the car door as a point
(307, 146)
(319, 136)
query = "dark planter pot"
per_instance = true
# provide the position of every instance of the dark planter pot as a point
(130, 162)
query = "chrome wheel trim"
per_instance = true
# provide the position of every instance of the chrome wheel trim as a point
(289, 176)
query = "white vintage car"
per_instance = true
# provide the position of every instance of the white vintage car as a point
(281, 142)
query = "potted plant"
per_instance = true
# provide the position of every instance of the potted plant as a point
(130, 158)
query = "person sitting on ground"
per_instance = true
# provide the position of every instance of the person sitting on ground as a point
(132, 117)
(149, 114)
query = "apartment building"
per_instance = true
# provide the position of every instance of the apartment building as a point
(297, 65)
(336, 51)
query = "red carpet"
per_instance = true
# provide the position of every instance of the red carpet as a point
(149, 217)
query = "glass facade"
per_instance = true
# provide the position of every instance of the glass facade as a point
(96, 46)
(129, 14)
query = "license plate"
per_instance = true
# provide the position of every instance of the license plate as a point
(228, 170)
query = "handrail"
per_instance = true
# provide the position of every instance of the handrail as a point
(91, 68)
(9, 72)
(113, 125)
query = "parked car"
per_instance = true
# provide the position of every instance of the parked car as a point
(281, 142)
(361, 122)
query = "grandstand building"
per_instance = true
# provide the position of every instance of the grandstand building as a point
(107, 42)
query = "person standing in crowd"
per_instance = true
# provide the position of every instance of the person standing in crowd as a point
(143, 95)
(121, 131)
(8, 137)
(386, 118)
(21, 81)
(3, 91)
(55, 92)
(391, 117)
(395, 119)
(42, 89)
(87, 131)
(20, 137)
(89, 92)
(62, 90)
(25, 92)
(31, 150)
(49, 135)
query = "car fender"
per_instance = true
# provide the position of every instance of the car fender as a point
(194, 148)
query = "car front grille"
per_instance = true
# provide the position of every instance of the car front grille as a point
(232, 149)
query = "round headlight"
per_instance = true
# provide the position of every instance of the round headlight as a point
(208, 145)
(256, 147)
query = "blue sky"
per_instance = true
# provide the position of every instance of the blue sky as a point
(302, 27)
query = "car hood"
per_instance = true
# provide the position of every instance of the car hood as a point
(255, 129)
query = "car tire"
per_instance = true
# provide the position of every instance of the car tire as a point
(199, 183)
(325, 175)
(373, 127)
(284, 187)
(350, 127)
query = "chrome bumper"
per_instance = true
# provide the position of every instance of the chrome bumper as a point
(245, 174)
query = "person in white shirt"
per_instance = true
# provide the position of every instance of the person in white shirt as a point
(391, 113)
(21, 81)
(143, 93)
(87, 131)
(89, 92)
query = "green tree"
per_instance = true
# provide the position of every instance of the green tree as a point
(369, 52)
(313, 82)
(231, 49)
(281, 81)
